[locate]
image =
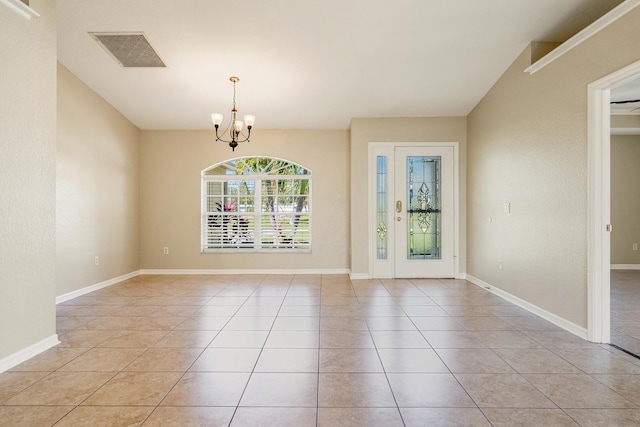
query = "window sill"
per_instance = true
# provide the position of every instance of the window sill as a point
(255, 251)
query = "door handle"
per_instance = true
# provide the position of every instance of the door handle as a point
(399, 206)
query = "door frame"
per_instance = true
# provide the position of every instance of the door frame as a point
(371, 208)
(599, 212)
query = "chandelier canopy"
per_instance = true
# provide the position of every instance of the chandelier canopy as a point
(235, 126)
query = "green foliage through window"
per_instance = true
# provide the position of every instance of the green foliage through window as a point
(256, 204)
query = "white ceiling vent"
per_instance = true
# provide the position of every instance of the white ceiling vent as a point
(129, 49)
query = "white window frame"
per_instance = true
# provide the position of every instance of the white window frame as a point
(255, 233)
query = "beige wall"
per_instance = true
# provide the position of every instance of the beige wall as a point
(528, 146)
(97, 202)
(625, 199)
(628, 121)
(170, 176)
(27, 177)
(426, 129)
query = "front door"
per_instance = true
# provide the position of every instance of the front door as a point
(415, 212)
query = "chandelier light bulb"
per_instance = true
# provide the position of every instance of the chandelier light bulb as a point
(216, 118)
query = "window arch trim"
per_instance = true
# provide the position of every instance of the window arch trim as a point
(256, 204)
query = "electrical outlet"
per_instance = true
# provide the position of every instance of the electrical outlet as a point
(635, 246)
(500, 264)
(506, 207)
(96, 260)
(165, 250)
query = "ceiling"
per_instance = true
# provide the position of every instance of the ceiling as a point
(624, 94)
(309, 64)
(625, 116)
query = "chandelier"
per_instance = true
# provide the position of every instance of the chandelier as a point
(235, 126)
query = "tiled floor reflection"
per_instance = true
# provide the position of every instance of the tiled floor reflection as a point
(625, 309)
(311, 350)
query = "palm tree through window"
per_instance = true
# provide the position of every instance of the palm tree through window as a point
(256, 204)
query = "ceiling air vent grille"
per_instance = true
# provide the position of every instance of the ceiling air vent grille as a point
(129, 49)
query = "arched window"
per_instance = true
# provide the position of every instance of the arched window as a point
(256, 204)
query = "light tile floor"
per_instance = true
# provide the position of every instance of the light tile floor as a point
(625, 309)
(314, 351)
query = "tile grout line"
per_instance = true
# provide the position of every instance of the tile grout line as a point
(235, 411)
(116, 373)
(384, 370)
(447, 366)
(186, 371)
(597, 360)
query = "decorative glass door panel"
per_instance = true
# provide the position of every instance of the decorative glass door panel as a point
(424, 212)
(381, 207)
(423, 207)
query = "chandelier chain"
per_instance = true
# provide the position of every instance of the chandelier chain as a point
(234, 96)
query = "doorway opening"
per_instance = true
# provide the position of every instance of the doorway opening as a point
(599, 221)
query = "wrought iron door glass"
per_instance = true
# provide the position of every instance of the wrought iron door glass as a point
(423, 207)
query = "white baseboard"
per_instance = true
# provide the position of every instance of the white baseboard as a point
(625, 266)
(553, 318)
(71, 295)
(17, 358)
(161, 271)
(359, 276)
(365, 276)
